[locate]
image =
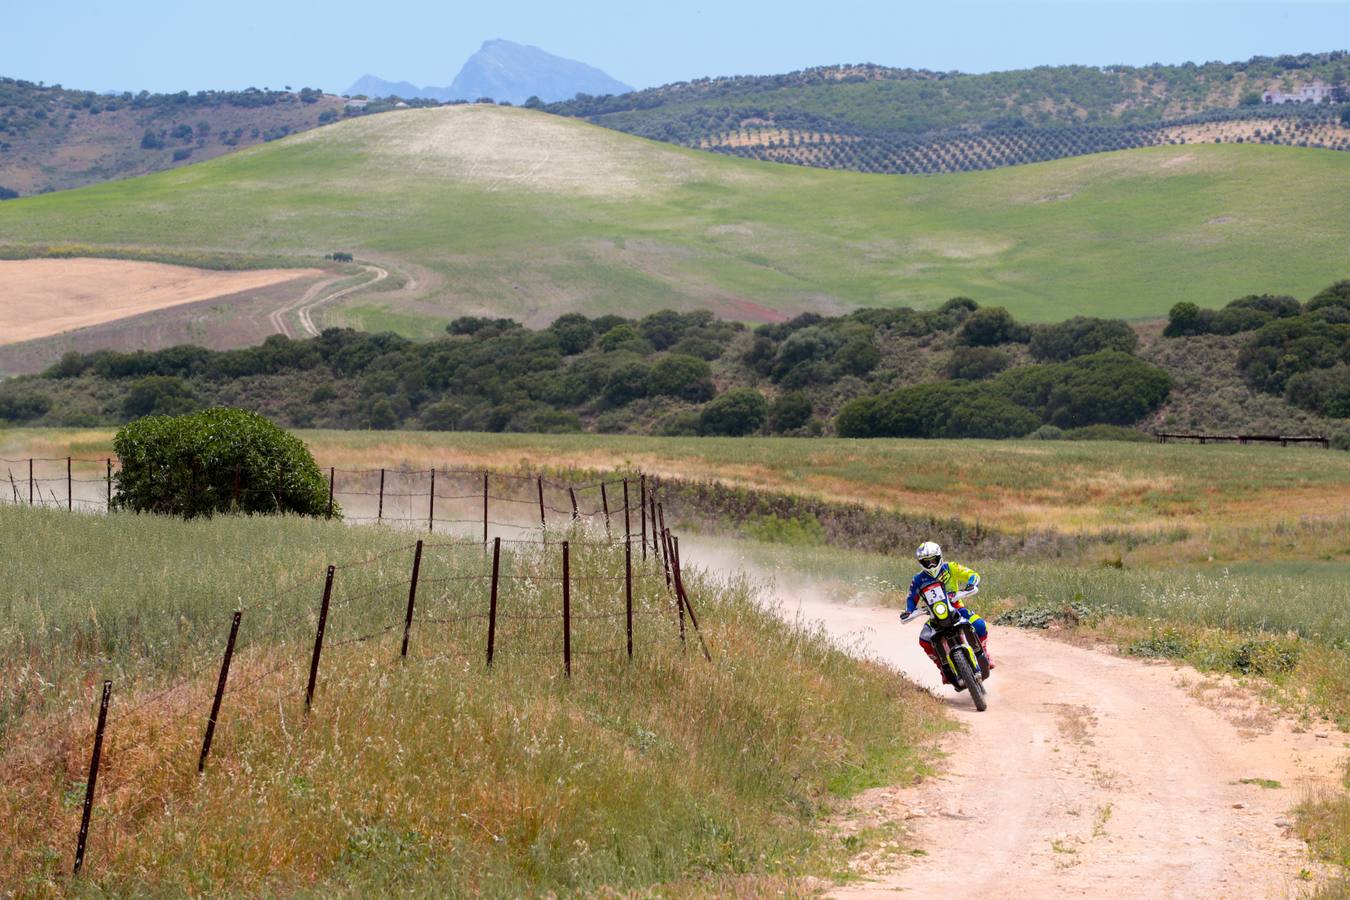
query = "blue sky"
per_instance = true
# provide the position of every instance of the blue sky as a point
(169, 45)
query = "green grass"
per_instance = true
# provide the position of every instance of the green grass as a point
(432, 777)
(525, 214)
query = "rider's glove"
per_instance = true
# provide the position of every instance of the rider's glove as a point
(906, 616)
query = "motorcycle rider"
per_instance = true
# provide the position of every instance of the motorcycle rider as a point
(960, 583)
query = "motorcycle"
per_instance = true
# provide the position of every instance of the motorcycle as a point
(957, 645)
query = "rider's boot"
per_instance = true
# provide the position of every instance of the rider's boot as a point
(984, 649)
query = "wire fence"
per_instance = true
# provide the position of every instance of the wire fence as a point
(604, 581)
(437, 500)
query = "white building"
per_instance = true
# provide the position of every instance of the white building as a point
(1317, 92)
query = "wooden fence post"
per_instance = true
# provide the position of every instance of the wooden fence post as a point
(572, 493)
(656, 529)
(379, 516)
(318, 639)
(83, 839)
(220, 693)
(567, 611)
(492, 601)
(412, 599)
(431, 504)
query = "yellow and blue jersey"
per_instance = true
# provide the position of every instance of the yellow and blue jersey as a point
(953, 576)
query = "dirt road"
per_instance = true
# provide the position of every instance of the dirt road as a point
(318, 296)
(1093, 774)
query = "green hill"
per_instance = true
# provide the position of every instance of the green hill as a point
(514, 212)
(871, 118)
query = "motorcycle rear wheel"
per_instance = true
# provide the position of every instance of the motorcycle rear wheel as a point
(973, 684)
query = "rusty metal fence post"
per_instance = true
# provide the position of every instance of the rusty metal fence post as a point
(567, 610)
(431, 504)
(571, 492)
(492, 600)
(485, 507)
(220, 693)
(379, 515)
(332, 475)
(412, 599)
(30, 482)
(604, 505)
(642, 512)
(684, 598)
(318, 639)
(83, 839)
(70, 496)
(628, 591)
(543, 520)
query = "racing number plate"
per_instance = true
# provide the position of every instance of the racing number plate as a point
(934, 593)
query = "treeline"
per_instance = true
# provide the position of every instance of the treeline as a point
(960, 370)
(874, 119)
(1300, 351)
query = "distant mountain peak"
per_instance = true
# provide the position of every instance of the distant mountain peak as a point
(505, 70)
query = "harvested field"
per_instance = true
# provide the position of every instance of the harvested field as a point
(44, 297)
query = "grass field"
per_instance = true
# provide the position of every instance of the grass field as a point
(1069, 486)
(519, 213)
(437, 776)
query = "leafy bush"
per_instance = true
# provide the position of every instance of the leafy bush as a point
(217, 460)
(988, 416)
(574, 333)
(976, 363)
(1323, 391)
(1282, 348)
(1047, 433)
(799, 531)
(628, 383)
(789, 412)
(686, 377)
(1109, 387)
(989, 326)
(165, 395)
(738, 412)
(24, 406)
(1081, 336)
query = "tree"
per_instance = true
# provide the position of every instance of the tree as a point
(627, 383)
(976, 363)
(1184, 319)
(217, 460)
(789, 412)
(164, 395)
(1080, 336)
(988, 326)
(686, 377)
(738, 412)
(574, 333)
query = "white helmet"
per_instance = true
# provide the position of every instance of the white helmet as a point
(929, 556)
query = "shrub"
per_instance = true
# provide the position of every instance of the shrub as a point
(789, 412)
(216, 460)
(627, 383)
(1323, 391)
(163, 395)
(686, 377)
(623, 337)
(8, 193)
(23, 407)
(442, 416)
(738, 412)
(1284, 347)
(1108, 387)
(1337, 295)
(574, 333)
(1184, 319)
(989, 326)
(976, 363)
(1081, 336)
(1046, 433)
(684, 423)
(989, 416)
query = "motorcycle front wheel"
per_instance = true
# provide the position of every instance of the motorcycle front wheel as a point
(968, 678)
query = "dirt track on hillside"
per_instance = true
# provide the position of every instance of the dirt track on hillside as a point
(1090, 774)
(44, 297)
